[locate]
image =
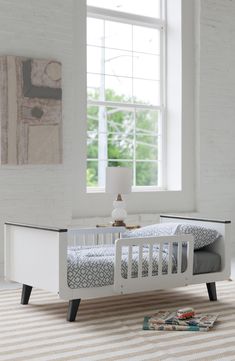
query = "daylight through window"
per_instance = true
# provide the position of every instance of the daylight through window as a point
(125, 90)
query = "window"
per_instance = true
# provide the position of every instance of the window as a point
(125, 90)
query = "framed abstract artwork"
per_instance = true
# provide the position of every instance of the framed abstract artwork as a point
(30, 111)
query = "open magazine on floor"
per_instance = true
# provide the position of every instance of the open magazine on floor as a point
(164, 320)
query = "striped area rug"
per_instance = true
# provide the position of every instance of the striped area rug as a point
(111, 328)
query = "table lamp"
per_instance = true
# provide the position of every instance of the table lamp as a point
(118, 181)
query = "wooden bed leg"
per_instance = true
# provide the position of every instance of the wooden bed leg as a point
(211, 288)
(25, 295)
(73, 309)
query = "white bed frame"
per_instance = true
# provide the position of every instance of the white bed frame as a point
(37, 257)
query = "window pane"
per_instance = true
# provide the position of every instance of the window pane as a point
(146, 66)
(120, 147)
(118, 35)
(146, 173)
(92, 118)
(120, 133)
(120, 121)
(118, 62)
(92, 174)
(110, 88)
(94, 56)
(146, 91)
(95, 32)
(118, 163)
(94, 87)
(92, 146)
(146, 121)
(147, 147)
(146, 40)
(139, 7)
(118, 86)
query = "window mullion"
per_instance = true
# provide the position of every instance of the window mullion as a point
(102, 130)
(162, 168)
(134, 151)
(123, 105)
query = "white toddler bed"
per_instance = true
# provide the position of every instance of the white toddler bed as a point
(85, 263)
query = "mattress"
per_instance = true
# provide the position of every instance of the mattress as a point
(94, 266)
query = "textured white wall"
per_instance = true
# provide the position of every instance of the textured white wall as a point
(216, 108)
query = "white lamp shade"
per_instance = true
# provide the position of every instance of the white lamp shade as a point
(118, 180)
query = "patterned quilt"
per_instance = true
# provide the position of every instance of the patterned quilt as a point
(94, 266)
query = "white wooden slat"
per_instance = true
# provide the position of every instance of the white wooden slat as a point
(179, 257)
(160, 260)
(129, 269)
(150, 270)
(111, 238)
(170, 259)
(140, 261)
(190, 250)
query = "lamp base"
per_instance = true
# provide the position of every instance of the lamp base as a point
(119, 224)
(119, 213)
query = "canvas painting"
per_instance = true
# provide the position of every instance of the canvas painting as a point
(30, 111)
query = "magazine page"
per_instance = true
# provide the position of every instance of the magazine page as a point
(163, 317)
(168, 327)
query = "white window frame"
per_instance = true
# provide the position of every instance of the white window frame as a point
(156, 23)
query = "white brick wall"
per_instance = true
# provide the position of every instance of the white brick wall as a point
(216, 112)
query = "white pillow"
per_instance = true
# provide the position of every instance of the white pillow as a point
(159, 229)
(202, 236)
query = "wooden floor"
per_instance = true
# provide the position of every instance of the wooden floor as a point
(111, 328)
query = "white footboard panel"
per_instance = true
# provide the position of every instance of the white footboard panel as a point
(32, 256)
(152, 280)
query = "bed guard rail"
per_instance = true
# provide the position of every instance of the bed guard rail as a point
(143, 263)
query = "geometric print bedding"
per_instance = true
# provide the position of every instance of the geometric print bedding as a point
(94, 266)
(203, 236)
